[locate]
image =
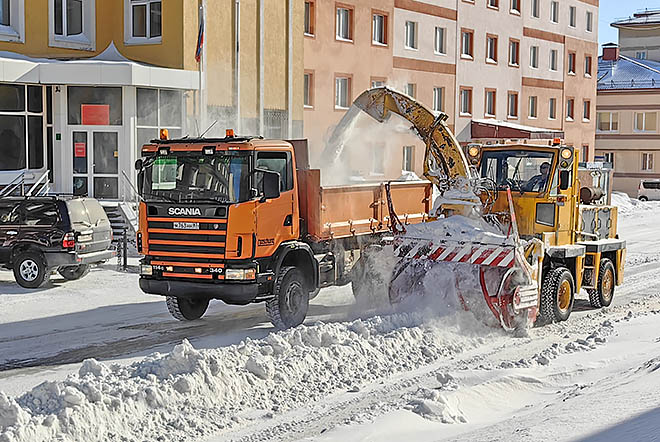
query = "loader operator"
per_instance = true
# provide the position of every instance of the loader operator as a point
(539, 182)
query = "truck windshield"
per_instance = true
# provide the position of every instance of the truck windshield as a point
(523, 170)
(222, 178)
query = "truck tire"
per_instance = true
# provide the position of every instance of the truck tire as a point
(289, 306)
(186, 309)
(557, 296)
(603, 294)
(30, 270)
(73, 273)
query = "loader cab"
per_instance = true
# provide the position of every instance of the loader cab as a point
(542, 184)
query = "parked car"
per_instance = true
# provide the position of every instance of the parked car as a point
(39, 235)
(649, 190)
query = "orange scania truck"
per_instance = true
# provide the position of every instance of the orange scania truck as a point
(245, 220)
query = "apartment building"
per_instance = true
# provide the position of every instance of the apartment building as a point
(84, 83)
(501, 69)
(638, 35)
(627, 131)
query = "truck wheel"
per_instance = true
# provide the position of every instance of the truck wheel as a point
(73, 273)
(557, 295)
(186, 309)
(30, 270)
(603, 294)
(289, 306)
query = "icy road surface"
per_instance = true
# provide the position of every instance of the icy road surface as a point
(389, 377)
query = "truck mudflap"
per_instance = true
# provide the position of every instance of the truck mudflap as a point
(230, 293)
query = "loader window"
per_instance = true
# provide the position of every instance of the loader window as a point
(522, 170)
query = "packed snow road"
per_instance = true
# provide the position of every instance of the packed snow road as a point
(405, 376)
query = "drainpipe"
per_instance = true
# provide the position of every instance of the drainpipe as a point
(261, 67)
(290, 72)
(237, 68)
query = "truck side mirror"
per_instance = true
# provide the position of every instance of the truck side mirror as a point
(564, 179)
(138, 164)
(270, 184)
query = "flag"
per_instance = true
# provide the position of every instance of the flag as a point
(200, 39)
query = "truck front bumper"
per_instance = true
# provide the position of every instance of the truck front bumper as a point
(230, 293)
(64, 259)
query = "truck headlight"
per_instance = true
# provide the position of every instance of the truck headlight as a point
(241, 274)
(146, 270)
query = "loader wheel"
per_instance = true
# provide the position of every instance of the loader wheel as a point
(289, 306)
(603, 294)
(186, 309)
(557, 296)
(30, 270)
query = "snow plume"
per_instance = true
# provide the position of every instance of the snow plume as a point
(191, 393)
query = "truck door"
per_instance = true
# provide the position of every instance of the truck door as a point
(275, 217)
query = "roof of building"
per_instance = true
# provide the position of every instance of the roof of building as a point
(497, 129)
(641, 18)
(628, 73)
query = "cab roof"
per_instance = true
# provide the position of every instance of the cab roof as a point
(226, 143)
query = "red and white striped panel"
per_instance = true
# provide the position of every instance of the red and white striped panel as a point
(468, 253)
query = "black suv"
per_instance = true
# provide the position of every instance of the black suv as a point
(41, 234)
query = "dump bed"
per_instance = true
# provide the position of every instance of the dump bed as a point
(333, 212)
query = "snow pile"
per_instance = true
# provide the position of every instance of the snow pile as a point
(630, 206)
(193, 393)
(435, 406)
(458, 228)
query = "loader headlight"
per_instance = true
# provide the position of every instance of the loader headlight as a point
(473, 151)
(240, 274)
(566, 154)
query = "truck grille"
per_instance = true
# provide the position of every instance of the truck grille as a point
(206, 244)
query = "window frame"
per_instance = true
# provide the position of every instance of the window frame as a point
(554, 52)
(310, 89)
(411, 87)
(589, 27)
(512, 115)
(644, 129)
(415, 36)
(493, 4)
(570, 108)
(495, 39)
(86, 40)
(572, 17)
(610, 124)
(532, 58)
(15, 30)
(586, 110)
(441, 101)
(386, 41)
(648, 164)
(516, 42)
(443, 49)
(487, 93)
(552, 108)
(554, 11)
(312, 19)
(373, 80)
(351, 22)
(468, 90)
(533, 115)
(588, 65)
(535, 6)
(515, 10)
(159, 123)
(129, 38)
(348, 91)
(410, 156)
(470, 34)
(571, 64)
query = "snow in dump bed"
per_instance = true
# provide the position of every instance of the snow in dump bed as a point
(190, 393)
(458, 228)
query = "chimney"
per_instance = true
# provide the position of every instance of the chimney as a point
(610, 51)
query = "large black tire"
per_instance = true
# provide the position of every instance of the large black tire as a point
(289, 306)
(186, 309)
(643, 198)
(73, 273)
(30, 270)
(603, 294)
(557, 296)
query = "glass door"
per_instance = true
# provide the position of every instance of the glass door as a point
(96, 163)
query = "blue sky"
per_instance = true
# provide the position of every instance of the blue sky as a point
(613, 9)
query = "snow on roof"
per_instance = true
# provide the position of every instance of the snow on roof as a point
(645, 17)
(628, 73)
(511, 125)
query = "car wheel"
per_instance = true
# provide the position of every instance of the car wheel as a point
(289, 306)
(186, 309)
(73, 273)
(30, 270)
(643, 198)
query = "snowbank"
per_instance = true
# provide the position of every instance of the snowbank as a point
(631, 206)
(190, 393)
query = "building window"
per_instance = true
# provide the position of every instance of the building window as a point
(342, 92)
(641, 55)
(535, 8)
(491, 49)
(572, 16)
(344, 24)
(467, 39)
(645, 121)
(379, 29)
(587, 66)
(22, 127)
(308, 99)
(466, 101)
(512, 108)
(440, 46)
(158, 109)
(491, 103)
(377, 82)
(514, 53)
(411, 35)
(12, 20)
(647, 161)
(586, 110)
(533, 101)
(552, 114)
(408, 158)
(310, 18)
(571, 63)
(515, 6)
(378, 160)
(145, 21)
(553, 59)
(608, 157)
(607, 121)
(438, 99)
(411, 90)
(590, 21)
(534, 57)
(585, 152)
(570, 109)
(554, 12)
(493, 4)
(72, 24)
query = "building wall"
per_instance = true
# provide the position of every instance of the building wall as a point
(640, 39)
(626, 143)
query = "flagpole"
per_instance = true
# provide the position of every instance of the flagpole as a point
(203, 68)
(200, 123)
